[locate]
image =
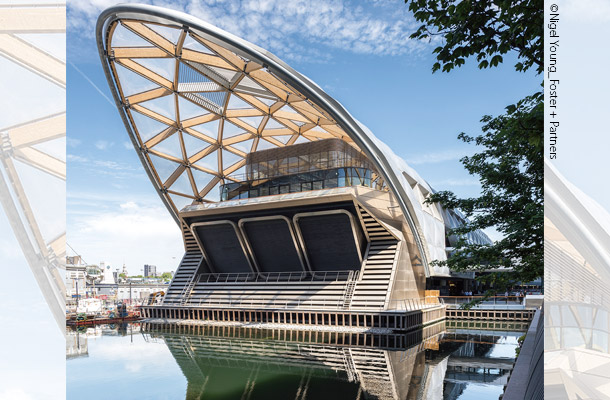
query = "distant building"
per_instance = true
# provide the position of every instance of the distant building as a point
(108, 273)
(137, 291)
(74, 260)
(75, 279)
(150, 271)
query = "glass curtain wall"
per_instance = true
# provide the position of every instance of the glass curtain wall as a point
(322, 164)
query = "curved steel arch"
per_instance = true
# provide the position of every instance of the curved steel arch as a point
(311, 92)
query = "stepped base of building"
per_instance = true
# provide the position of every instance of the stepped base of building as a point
(399, 320)
(491, 315)
(426, 336)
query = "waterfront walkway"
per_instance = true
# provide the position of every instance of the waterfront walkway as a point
(492, 302)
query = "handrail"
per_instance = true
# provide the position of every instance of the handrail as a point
(319, 165)
(228, 277)
(480, 296)
(491, 300)
(394, 305)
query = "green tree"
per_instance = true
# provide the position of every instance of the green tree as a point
(166, 276)
(510, 165)
(487, 29)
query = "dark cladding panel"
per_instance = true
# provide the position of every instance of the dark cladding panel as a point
(273, 245)
(223, 248)
(329, 242)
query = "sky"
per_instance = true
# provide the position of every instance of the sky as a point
(583, 139)
(358, 52)
(29, 331)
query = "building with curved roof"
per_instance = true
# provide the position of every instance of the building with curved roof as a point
(577, 269)
(269, 178)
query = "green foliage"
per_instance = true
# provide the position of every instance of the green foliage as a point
(485, 29)
(166, 276)
(510, 165)
(511, 171)
(520, 343)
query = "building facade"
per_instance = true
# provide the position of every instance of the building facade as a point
(284, 200)
(150, 271)
(76, 282)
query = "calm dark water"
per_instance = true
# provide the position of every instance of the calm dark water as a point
(138, 361)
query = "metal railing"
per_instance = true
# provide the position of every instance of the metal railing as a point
(412, 304)
(459, 301)
(262, 173)
(270, 277)
(405, 305)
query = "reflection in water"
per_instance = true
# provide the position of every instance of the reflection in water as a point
(477, 362)
(221, 362)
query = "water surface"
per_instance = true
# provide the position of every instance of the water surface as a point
(445, 361)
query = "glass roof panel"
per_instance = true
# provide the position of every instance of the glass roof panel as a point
(193, 145)
(147, 127)
(179, 201)
(165, 106)
(273, 124)
(214, 194)
(182, 184)
(267, 101)
(264, 145)
(163, 166)
(188, 109)
(163, 66)
(225, 73)
(289, 109)
(302, 139)
(123, 37)
(170, 146)
(209, 128)
(210, 161)
(230, 130)
(252, 121)
(171, 34)
(133, 83)
(229, 159)
(202, 179)
(192, 44)
(244, 146)
(283, 139)
(236, 103)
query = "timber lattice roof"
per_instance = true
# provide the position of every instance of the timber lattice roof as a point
(197, 109)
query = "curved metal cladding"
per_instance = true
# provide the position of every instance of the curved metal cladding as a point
(241, 70)
(577, 269)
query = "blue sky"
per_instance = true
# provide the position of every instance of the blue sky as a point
(358, 52)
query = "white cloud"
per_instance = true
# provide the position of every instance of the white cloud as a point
(10, 252)
(130, 233)
(15, 394)
(128, 145)
(103, 144)
(290, 27)
(72, 142)
(455, 182)
(581, 11)
(113, 169)
(112, 165)
(76, 158)
(438, 156)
